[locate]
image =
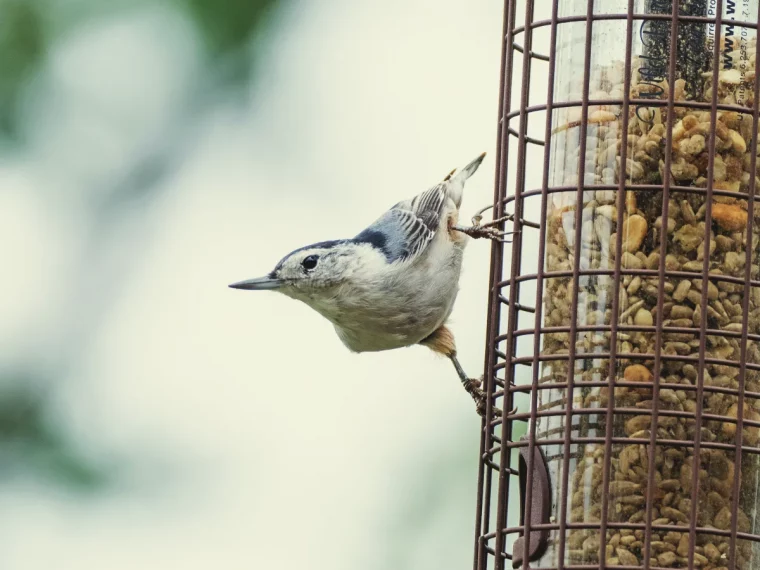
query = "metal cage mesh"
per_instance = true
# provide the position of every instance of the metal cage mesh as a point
(625, 315)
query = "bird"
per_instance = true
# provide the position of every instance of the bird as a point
(394, 284)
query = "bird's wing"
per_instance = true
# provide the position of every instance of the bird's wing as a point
(405, 230)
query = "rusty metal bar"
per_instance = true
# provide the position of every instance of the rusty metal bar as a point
(497, 255)
(740, 422)
(500, 191)
(696, 465)
(540, 270)
(669, 123)
(571, 358)
(513, 295)
(644, 16)
(614, 319)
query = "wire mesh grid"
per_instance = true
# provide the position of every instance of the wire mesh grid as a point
(625, 315)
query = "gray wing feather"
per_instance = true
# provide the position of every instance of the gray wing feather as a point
(408, 227)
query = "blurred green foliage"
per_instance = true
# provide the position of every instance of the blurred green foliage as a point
(22, 44)
(32, 440)
(228, 24)
(28, 29)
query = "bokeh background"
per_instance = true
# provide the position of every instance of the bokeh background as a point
(153, 151)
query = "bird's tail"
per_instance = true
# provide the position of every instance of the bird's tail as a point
(457, 180)
(470, 169)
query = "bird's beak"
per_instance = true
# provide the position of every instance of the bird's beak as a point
(258, 284)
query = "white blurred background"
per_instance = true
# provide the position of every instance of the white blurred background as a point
(152, 152)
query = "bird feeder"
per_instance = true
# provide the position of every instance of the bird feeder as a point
(624, 326)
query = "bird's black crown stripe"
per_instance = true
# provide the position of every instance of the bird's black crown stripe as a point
(320, 245)
(375, 239)
(370, 237)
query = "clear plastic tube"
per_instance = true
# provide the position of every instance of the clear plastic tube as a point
(647, 224)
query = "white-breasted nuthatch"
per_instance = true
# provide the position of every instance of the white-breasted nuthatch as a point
(394, 284)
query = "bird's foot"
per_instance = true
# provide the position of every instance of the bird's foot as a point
(487, 230)
(473, 388)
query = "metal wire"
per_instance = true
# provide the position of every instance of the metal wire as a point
(559, 401)
(740, 422)
(485, 470)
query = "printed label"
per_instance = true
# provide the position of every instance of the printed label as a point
(735, 39)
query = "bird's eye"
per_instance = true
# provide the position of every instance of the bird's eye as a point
(310, 262)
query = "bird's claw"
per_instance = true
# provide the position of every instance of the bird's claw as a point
(496, 222)
(479, 396)
(487, 230)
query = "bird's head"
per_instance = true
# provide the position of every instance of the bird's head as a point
(311, 271)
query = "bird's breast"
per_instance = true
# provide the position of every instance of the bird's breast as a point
(400, 309)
